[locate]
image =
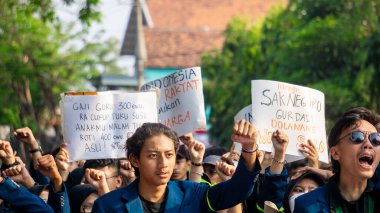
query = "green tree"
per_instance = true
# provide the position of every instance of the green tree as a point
(35, 69)
(330, 45)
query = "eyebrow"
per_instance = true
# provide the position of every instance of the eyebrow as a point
(153, 150)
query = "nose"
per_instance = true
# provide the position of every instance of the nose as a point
(366, 143)
(163, 161)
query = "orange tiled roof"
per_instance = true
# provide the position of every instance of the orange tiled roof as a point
(185, 29)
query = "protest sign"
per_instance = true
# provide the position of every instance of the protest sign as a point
(296, 110)
(181, 103)
(245, 113)
(96, 126)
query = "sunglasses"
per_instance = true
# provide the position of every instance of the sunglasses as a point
(358, 137)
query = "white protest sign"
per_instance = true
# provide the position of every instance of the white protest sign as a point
(97, 126)
(296, 110)
(181, 104)
(245, 113)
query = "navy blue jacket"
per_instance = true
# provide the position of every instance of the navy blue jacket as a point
(20, 199)
(185, 196)
(328, 197)
(273, 189)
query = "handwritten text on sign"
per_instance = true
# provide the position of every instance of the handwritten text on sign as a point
(97, 126)
(181, 105)
(296, 110)
(245, 113)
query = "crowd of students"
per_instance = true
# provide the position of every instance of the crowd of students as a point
(167, 173)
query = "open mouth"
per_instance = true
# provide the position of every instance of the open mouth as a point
(366, 160)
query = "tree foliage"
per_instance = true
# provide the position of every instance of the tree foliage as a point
(34, 67)
(330, 45)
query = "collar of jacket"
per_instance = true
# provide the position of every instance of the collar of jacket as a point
(334, 197)
(172, 202)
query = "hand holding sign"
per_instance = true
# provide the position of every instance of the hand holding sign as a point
(311, 153)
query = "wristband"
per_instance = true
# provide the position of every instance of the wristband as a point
(250, 151)
(5, 166)
(196, 164)
(39, 149)
(197, 173)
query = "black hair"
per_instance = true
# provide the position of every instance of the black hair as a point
(100, 163)
(349, 119)
(215, 150)
(78, 194)
(308, 175)
(136, 142)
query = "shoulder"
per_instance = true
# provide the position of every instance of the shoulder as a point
(115, 194)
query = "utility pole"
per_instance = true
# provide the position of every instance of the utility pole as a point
(140, 50)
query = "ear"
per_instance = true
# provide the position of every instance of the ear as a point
(119, 181)
(134, 161)
(334, 152)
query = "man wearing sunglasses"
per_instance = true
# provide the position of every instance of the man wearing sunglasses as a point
(354, 145)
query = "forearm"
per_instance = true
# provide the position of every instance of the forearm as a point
(249, 158)
(196, 173)
(57, 184)
(277, 163)
(36, 154)
(28, 182)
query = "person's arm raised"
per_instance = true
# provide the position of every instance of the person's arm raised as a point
(196, 152)
(311, 153)
(6, 154)
(280, 144)
(98, 180)
(26, 136)
(62, 161)
(246, 134)
(48, 167)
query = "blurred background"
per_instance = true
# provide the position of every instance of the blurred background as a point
(52, 46)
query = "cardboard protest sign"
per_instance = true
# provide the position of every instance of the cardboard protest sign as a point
(296, 110)
(245, 113)
(181, 103)
(97, 126)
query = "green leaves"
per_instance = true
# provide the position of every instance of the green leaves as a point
(330, 45)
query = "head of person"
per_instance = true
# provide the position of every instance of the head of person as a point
(82, 198)
(299, 186)
(110, 168)
(182, 164)
(354, 143)
(209, 168)
(152, 151)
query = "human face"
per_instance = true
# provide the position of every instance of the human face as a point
(357, 161)
(88, 203)
(304, 186)
(156, 161)
(180, 169)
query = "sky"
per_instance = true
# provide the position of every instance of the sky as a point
(115, 14)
